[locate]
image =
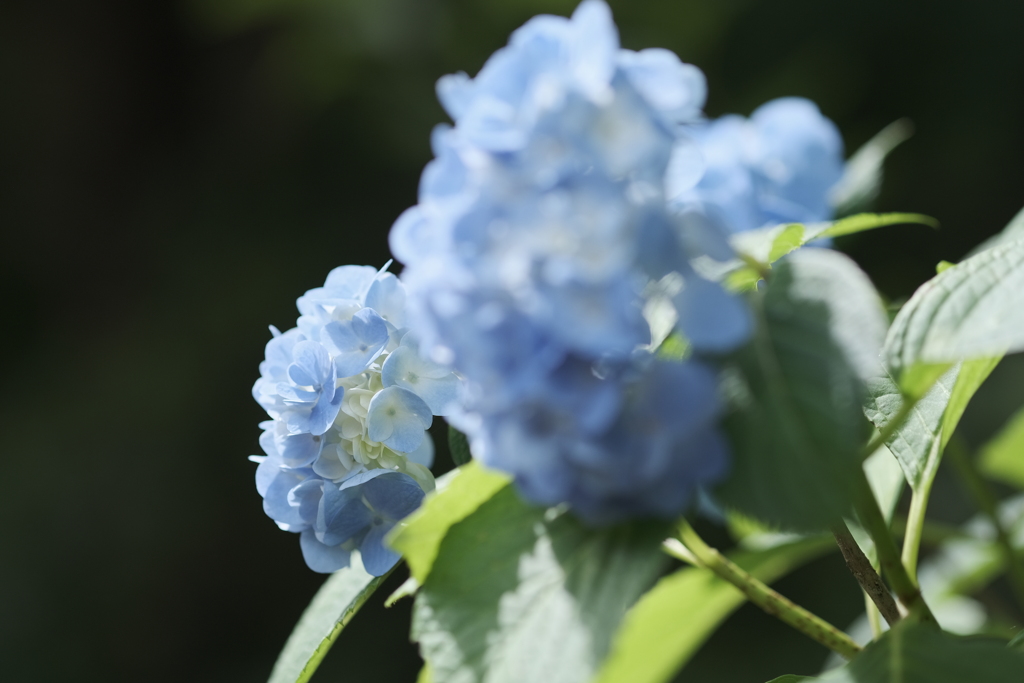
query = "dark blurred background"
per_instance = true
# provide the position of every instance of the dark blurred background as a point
(174, 174)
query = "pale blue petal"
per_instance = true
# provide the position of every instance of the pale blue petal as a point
(435, 384)
(276, 499)
(675, 89)
(397, 418)
(393, 496)
(377, 557)
(349, 282)
(387, 297)
(306, 498)
(328, 465)
(341, 515)
(424, 453)
(357, 342)
(266, 472)
(298, 450)
(321, 558)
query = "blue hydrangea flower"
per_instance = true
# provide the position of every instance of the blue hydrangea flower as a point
(339, 424)
(778, 166)
(360, 511)
(542, 224)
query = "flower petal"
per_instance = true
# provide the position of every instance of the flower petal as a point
(398, 418)
(322, 558)
(377, 557)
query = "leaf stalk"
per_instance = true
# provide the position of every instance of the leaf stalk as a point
(766, 598)
(874, 523)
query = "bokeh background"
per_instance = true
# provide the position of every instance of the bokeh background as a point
(173, 173)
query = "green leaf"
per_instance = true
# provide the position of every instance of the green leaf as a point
(407, 589)
(420, 537)
(1002, 458)
(974, 309)
(1013, 231)
(519, 593)
(791, 237)
(862, 179)
(790, 678)
(1017, 642)
(670, 623)
(867, 221)
(918, 443)
(918, 653)
(769, 244)
(331, 609)
(458, 446)
(797, 428)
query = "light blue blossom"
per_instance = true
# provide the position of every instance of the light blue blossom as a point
(432, 382)
(778, 166)
(362, 510)
(541, 225)
(305, 394)
(398, 418)
(337, 427)
(357, 342)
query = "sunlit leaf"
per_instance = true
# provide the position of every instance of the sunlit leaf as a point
(421, 535)
(797, 429)
(974, 309)
(330, 611)
(656, 639)
(918, 443)
(519, 593)
(918, 653)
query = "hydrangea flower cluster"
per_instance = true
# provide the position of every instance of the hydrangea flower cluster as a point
(778, 166)
(350, 399)
(541, 224)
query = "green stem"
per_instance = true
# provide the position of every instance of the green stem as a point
(767, 599)
(987, 503)
(874, 618)
(914, 529)
(874, 523)
(762, 269)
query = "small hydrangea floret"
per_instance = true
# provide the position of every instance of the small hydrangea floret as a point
(347, 453)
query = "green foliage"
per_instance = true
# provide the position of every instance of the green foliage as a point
(868, 221)
(331, 609)
(768, 245)
(790, 238)
(798, 430)
(974, 309)
(1002, 458)
(458, 446)
(790, 678)
(670, 623)
(455, 499)
(917, 653)
(518, 593)
(919, 441)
